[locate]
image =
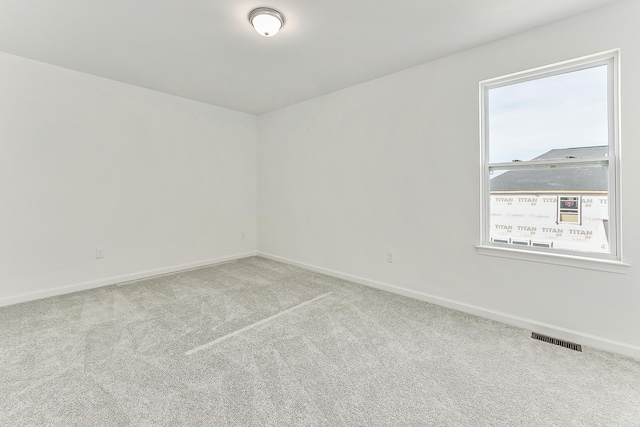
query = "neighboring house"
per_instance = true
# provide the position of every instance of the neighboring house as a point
(563, 208)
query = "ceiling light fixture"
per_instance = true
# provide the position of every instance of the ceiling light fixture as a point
(266, 21)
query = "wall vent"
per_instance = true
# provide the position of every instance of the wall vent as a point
(556, 341)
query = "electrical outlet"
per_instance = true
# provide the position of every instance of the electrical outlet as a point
(390, 257)
(242, 235)
(99, 253)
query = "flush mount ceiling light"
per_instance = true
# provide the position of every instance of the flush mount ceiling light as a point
(266, 21)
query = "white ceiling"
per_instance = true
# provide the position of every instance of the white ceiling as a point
(206, 50)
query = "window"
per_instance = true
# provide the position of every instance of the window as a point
(569, 210)
(550, 163)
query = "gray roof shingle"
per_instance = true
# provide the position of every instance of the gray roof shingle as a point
(579, 178)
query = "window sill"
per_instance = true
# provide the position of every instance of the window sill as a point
(610, 266)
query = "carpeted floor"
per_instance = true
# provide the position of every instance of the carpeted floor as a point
(258, 343)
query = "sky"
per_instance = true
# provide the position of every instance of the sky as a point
(530, 118)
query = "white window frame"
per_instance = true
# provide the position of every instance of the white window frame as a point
(604, 262)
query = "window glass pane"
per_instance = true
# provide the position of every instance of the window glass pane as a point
(565, 208)
(557, 117)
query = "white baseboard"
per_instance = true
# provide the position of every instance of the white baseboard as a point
(584, 339)
(118, 279)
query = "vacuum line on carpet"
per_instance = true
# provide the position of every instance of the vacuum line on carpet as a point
(239, 331)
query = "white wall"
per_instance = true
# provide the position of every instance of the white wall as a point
(160, 182)
(392, 166)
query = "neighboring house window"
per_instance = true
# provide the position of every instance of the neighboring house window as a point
(550, 156)
(569, 210)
